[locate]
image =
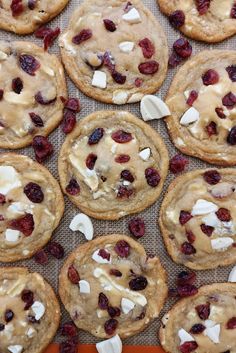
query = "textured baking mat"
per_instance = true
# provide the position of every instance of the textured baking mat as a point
(152, 241)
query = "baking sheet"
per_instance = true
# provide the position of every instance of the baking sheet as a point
(152, 241)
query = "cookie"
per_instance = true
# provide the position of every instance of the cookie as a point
(28, 304)
(198, 218)
(23, 17)
(202, 100)
(31, 84)
(203, 323)
(112, 165)
(206, 20)
(31, 206)
(115, 51)
(109, 286)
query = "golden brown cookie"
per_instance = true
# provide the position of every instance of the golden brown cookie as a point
(206, 20)
(115, 51)
(112, 164)
(198, 218)
(28, 304)
(205, 322)
(109, 286)
(31, 84)
(202, 100)
(31, 206)
(24, 16)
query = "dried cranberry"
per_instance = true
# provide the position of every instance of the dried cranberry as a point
(128, 6)
(104, 254)
(9, 315)
(121, 136)
(84, 35)
(32, 319)
(203, 311)
(91, 160)
(193, 95)
(109, 25)
(69, 329)
(122, 248)
(232, 70)
(41, 32)
(137, 227)
(2, 199)
(50, 37)
(185, 277)
(109, 61)
(73, 104)
(231, 138)
(73, 274)
(127, 175)
(208, 230)
(173, 293)
(223, 214)
(212, 177)
(41, 100)
(147, 48)
(73, 187)
(177, 18)
(188, 347)
(36, 119)
(1, 218)
(197, 329)
(17, 85)
(152, 176)
(178, 163)
(56, 250)
(118, 78)
(138, 283)
(183, 48)
(211, 129)
(32, 4)
(149, 67)
(41, 257)
(113, 311)
(124, 192)
(29, 64)
(231, 324)
(190, 236)
(187, 290)
(184, 217)
(2, 327)
(220, 113)
(42, 148)
(174, 60)
(24, 224)
(69, 121)
(229, 100)
(1, 94)
(110, 326)
(233, 11)
(103, 301)
(17, 7)
(202, 6)
(138, 82)
(68, 346)
(116, 273)
(27, 296)
(96, 136)
(122, 158)
(34, 192)
(188, 249)
(210, 77)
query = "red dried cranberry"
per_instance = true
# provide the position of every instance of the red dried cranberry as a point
(232, 69)
(185, 277)
(41, 100)
(137, 227)
(231, 138)
(2, 199)
(68, 346)
(203, 311)
(50, 37)
(183, 48)
(212, 177)
(188, 249)
(116, 273)
(24, 224)
(69, 329)
(231, 324)
(127, 175)
(73, 104)
(152, 176)
(197, 329)
(220, 113)
(41, 257)
(233, 11)
(34, 192)
(223, 214)
(211, 129)
(210, 77)
(1, 218)
(42, 148)
(73, 274)
(109, 61)
(184, 217)
(118, 78)
(193, 95)
(9, 315)
(122, 248)
(187, 290)
(202, 6)
(138, 283)
(149, 67)
(96, 136)
(69, 121)
(174, 60)
(17, 85)
(190, 236)
(27, 296)
(73, 187)
(122, 158)
(56, 250)
(104, 254)
(229, 100)
(128, 6)
(109, 25)
(121, 136)
(208, 230)
(17, 7)
(1, 94)
(32, 4)
(138, 82)
(188, 347)
(178, 163)
(147, 48)
(29, 64)
(91, 160)
(124, 192)
(84, 35)
(177, 18)
(36, 119)
(41, 32)
(2, 327)
(110, 326)
(113, 311)
(103, 301)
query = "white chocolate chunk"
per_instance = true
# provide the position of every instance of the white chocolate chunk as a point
(145, 154)
(136, 97)
(100, 259)
(120, 97)
(213, 333)
(24, 98)
(184, 336)
(48, 70)
(152, 107)
(9, 179)
(30, 332)
(209, 323)
(126, 47)
(38, 309)
(232, 275)
(99, 79)
(12, 235)
(112, 345)
(202, 207)
(82, 223)
(132, 16)
(3, 55)
(190, 116)
(211, 220)
(84, 287)
(221, 243)
(127, 305)
(18, 209)
(90, 176)
(15, 349)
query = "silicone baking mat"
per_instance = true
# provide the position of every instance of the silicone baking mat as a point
(152, 241)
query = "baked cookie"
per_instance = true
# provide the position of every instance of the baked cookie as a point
(31, 206)
(115, 51)
(202, 100)
(112, 165)
(24, 16)
(207, 20)
(198, 218)
(30, 312)
(205, 322)
(31, 84)
(109, 286)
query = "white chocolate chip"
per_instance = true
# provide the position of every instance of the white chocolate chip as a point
(12, 235)
(152, 107)
(99, 79)
(120, 97)
(127, 305)
(24, 98)
(184, 336)
(3, 55)
(126, 47)
(18, 209)
(213, 333)
(112, 345)
(82, 223)
(190, 116)
(202, 207)
(132, 16)
(84, 287)
(126, 183)
(99, 259)
(48, 70)
(30, 332)
(221, 243)
(136, 97)
(9, 179)
(232, 275)
(222, 190)
(211, 220)
(38, 309)
(145, 154)
(15, 349)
